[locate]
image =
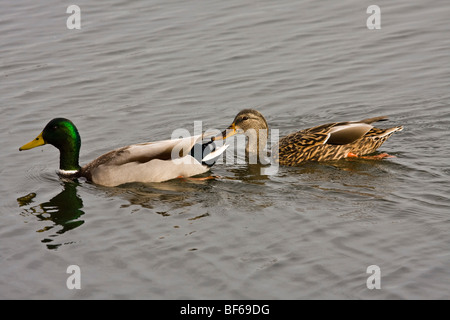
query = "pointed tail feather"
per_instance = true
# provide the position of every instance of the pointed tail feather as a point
(391, 131)
(211, 158)
(206, 153)
(375, 119)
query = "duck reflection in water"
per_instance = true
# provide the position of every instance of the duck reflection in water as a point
(64, 210)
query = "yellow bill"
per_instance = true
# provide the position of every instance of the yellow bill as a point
(39, 141)
(231, 131)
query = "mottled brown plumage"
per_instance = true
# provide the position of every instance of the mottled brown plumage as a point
(326, 142)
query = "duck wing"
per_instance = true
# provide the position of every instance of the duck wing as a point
(336, 133)
(347, 133)
(340, 133)
(144, 152)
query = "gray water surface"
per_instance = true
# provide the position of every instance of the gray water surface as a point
(138, 70)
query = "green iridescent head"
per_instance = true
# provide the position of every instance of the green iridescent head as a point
(62, 134)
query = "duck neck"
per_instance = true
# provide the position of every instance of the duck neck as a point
(69, 157)
(256, 144)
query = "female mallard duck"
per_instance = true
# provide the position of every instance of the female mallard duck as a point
(327, 142)
(145, 162)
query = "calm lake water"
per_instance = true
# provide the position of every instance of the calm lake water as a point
(138, 70)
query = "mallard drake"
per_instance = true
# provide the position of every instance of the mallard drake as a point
(146, 162)
(327, 142)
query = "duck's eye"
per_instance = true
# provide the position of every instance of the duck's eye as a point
(244, 118)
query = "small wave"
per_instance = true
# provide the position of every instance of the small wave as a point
(39, 173)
